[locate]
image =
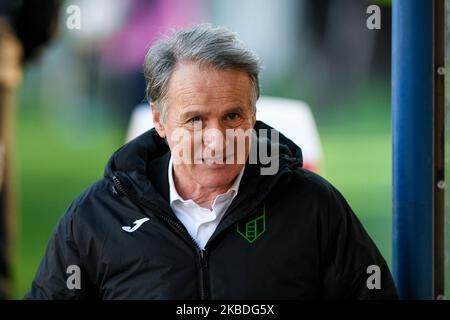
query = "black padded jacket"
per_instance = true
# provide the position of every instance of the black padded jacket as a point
(290, 235)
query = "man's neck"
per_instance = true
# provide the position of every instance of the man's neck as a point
(189, 189)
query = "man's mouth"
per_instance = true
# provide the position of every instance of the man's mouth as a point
(213, 161)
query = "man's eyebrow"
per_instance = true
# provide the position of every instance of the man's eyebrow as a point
(195, 113)
(189, 114)
(236, 109)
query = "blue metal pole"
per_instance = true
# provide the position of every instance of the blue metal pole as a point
(412, 121)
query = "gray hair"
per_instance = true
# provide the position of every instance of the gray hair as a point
(212, 46)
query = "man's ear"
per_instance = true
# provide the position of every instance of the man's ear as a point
(159, 126)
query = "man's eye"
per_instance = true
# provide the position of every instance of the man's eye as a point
(195, 120)
(233, 116)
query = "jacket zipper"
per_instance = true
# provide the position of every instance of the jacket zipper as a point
(203, 281)
(202, 253)
(118, 186)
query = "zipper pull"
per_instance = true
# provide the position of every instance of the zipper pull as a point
(117, 188)
(114, 191)
(203, 260)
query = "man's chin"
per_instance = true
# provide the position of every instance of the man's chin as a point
(214, 175)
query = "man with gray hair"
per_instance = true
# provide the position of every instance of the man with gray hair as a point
(186, 211)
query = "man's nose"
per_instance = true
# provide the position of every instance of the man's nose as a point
(213, 138)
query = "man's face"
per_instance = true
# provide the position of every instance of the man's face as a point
(204, 104)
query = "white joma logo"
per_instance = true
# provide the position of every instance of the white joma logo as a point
(137, 224)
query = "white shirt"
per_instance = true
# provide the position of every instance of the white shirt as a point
(201, 222)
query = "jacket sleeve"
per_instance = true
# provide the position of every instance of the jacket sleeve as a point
(353, 267)
(61, 274)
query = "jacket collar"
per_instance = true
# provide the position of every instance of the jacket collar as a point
(142, 166)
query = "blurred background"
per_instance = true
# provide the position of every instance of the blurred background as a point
(79, 86)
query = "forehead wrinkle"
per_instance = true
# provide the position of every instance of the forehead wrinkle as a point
(187, 97)
(208, 87)
(209, 77)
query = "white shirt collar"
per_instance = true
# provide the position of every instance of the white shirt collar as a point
(174, 195)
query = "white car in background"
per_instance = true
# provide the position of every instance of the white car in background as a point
(291, 117)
